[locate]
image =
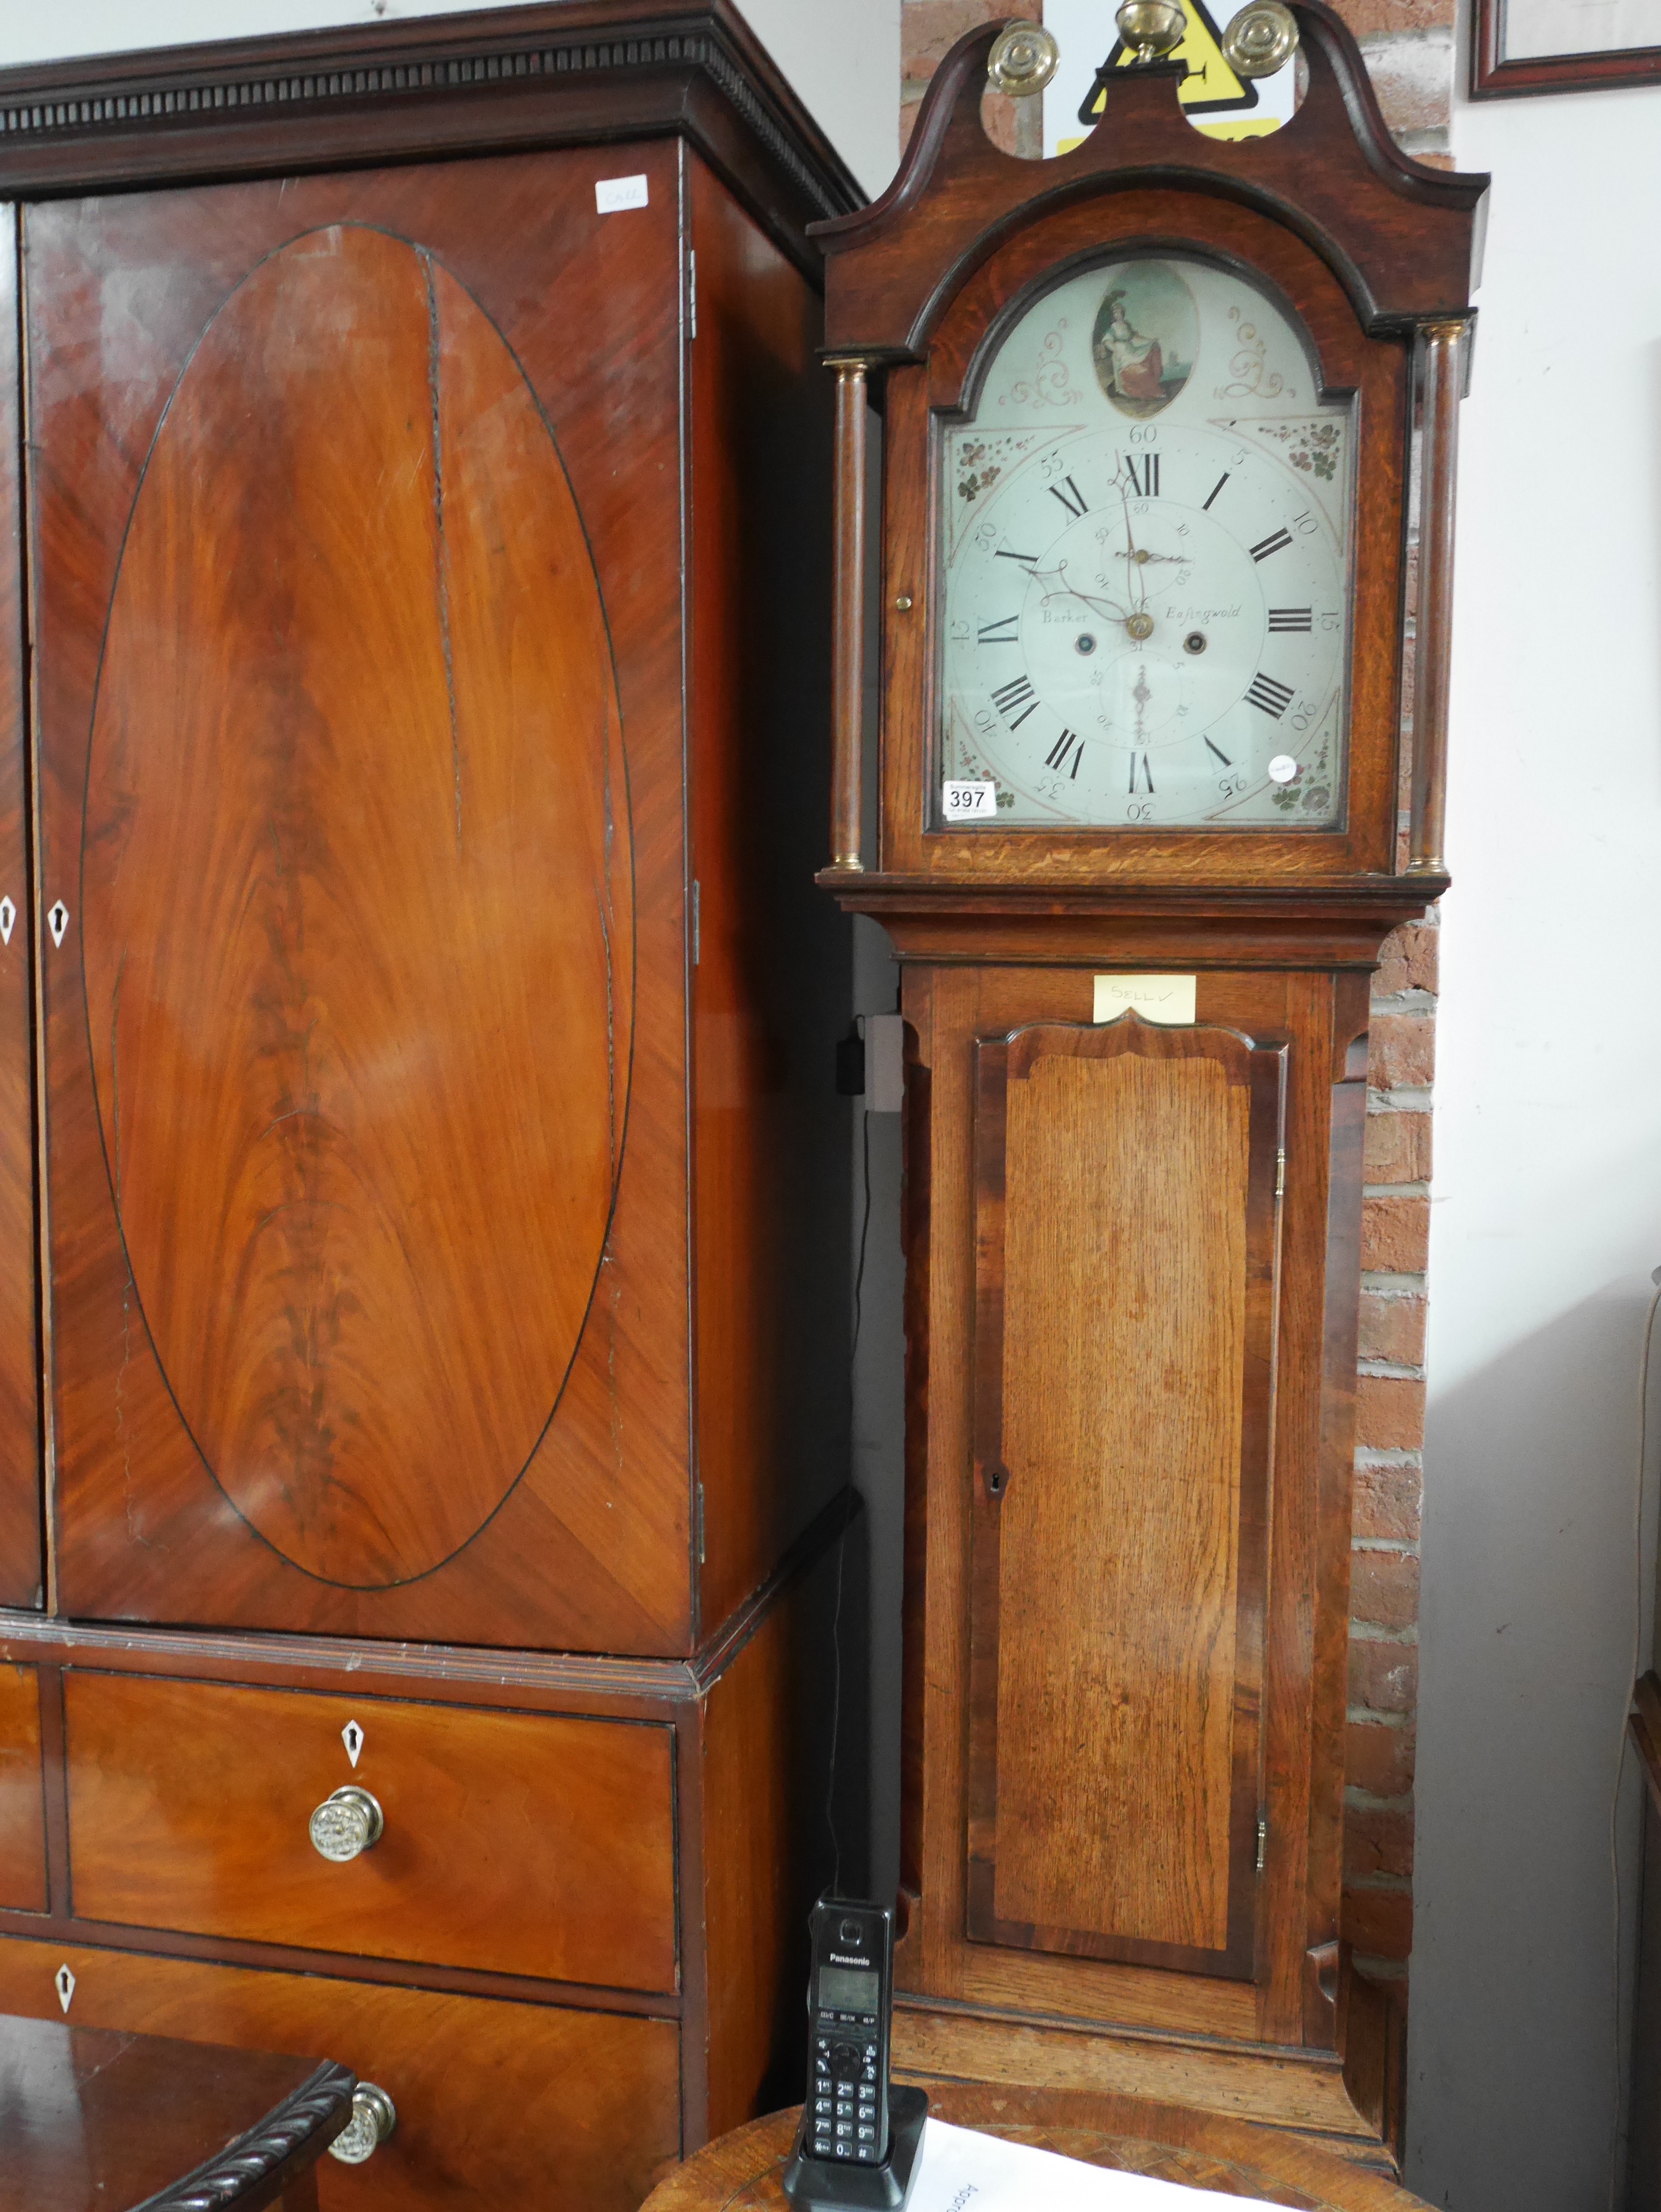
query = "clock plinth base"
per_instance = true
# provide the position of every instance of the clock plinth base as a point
(1348, 2105)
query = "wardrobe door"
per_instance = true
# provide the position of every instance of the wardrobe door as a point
(20, 1560)
(340, 634)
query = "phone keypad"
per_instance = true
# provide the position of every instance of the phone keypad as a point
(845, 2101)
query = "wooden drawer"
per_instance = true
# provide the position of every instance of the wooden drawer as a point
(515, 1843)
(22, 1812)
(498, 2104)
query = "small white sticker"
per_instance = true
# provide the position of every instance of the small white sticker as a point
(969, 802)
(1282, 768)
(1156, 998)
(64, 1982)
(352, 1736)
(613, 194)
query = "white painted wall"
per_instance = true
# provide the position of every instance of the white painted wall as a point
(1546, 1198)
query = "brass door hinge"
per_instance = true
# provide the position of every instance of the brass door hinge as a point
(1263, 1827)
(1280, 1174)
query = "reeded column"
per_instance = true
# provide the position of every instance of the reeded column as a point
(847, 617)
(1441, 357)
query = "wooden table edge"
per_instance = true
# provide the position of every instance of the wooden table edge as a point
(263, 2163)
(709, 2180)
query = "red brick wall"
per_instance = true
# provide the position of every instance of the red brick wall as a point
(929, 29)
(1409, 44)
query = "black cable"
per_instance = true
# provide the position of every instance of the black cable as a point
(859, 1271)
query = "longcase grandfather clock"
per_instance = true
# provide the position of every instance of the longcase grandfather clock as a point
(1154, 413)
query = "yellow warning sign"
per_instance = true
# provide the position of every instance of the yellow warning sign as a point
(1217, 102)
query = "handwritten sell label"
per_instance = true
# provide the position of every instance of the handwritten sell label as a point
(1155, 998)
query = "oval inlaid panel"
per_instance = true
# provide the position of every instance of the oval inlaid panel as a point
(355, 908)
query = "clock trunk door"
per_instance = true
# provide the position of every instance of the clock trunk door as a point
(1127, 1241)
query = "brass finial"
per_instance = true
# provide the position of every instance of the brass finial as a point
(1260, 38)
(1152, 27)
(1023, 59)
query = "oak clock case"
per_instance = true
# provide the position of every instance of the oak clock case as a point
(443, 1459)
(1156, 413)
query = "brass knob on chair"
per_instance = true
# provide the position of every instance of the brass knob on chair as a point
(345, 1824)
(373, 2117)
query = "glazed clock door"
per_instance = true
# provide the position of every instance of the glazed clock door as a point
(336, 652)
(1145, 538)
(1128, 1236)
(20, 1561)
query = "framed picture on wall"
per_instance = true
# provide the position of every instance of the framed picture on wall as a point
(1563, 45)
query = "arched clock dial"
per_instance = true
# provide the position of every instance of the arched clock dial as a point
(1146, 579)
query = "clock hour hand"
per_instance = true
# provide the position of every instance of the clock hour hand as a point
(1064, 590)
(1136, 620)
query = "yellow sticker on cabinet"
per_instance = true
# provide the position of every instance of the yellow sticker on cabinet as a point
(1156, 998)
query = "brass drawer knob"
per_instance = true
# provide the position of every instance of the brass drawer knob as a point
(344, 1824)
(373, 2117)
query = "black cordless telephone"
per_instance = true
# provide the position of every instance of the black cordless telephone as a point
(849, 1998)
(857, 2147)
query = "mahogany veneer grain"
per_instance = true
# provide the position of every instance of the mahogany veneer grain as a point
(518, 1844)
(22, 1563)
(22, 1793)
(495, 2102)
(90, 2120)
(434, 1066)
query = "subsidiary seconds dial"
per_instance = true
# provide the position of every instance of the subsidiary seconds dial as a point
(1145, 619)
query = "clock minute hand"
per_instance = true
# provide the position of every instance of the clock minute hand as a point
(1134, 557)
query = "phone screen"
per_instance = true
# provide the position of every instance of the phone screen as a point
(848, 1989)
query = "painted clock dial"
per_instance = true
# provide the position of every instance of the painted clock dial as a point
(1144, 532)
